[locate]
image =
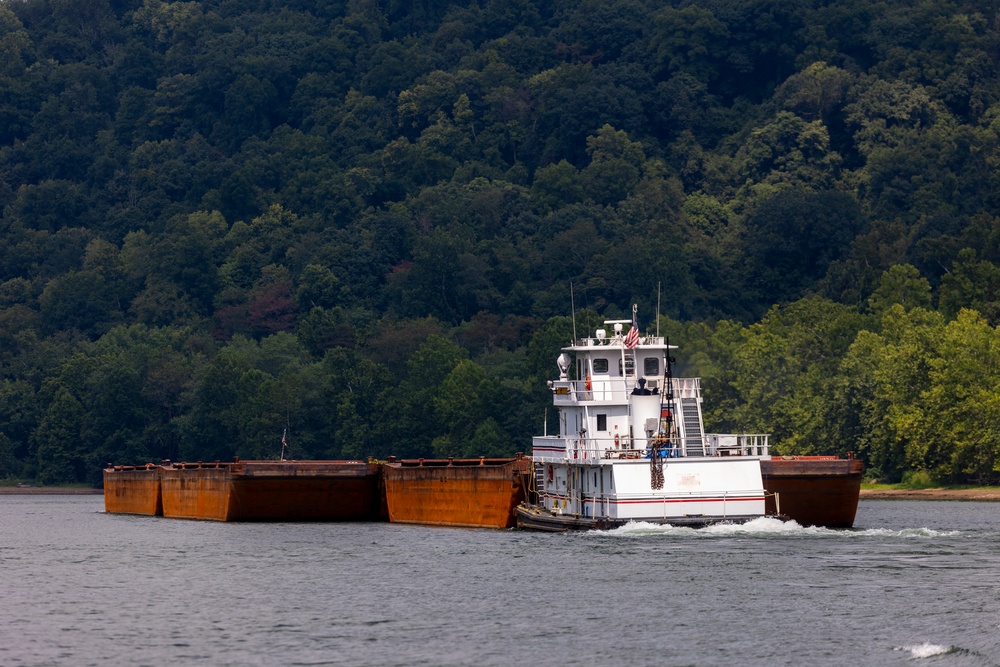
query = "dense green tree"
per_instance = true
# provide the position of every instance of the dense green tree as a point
(901, 284)
(785, 372)
(246, 206)
(971, 283)
(689, 40)
(352, 407)
(459, 405)
(792, 238)
(885, 374)
(956, 433)
(416, 420)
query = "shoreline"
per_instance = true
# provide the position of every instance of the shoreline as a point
(983, 494)
(48, 491)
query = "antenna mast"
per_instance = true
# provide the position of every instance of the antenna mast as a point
(658, 285)
(572, 305)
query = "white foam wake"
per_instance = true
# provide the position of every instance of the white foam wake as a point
(905, 532)
(765, 526)
(925, 650)
(760, 526)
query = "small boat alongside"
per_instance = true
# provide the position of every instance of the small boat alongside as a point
(632, 447)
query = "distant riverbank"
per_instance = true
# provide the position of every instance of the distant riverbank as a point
(49, 491)
(986, 493)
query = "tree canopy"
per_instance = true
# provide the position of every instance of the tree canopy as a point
(360, 221)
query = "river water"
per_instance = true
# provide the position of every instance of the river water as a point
(915, 583)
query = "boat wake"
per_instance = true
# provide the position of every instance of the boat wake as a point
(768, 526)
(926, 650)
(760, 526)
(905, 532)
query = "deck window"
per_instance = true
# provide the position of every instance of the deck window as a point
(651, 366)
(602, 422)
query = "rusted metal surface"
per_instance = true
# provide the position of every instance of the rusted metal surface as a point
(814, 491)
(273, 491)
(478, 493)
(192, 492)
(133, 490)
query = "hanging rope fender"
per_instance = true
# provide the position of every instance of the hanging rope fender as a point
(656, 479)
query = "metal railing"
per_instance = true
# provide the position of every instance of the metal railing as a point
(616, 390)
(716, 444)
(736, 444)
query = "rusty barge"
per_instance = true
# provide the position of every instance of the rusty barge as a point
(813, 490)
(248, 491)
(474, 493)
(133, 490)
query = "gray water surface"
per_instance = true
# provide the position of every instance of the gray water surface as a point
(915, 583)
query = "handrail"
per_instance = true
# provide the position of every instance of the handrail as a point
(716, 444)
(736, 444)
(617, 389)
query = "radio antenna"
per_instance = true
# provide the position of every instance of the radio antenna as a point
(658, 285)
(572, 305)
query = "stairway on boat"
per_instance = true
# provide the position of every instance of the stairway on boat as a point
(693, 429)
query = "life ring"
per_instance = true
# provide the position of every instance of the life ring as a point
(588, 383)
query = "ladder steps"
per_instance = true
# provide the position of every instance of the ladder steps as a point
(693, 431)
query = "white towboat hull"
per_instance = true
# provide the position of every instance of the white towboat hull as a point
(533, 517)
(696, 491)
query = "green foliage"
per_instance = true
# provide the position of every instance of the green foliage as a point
(917, 479)
(901, 284)
(360, 221)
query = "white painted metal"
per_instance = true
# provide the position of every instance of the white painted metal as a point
(597, 467)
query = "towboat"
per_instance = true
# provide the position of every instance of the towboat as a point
(632, 444)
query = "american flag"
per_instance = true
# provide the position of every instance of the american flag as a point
(632, 337)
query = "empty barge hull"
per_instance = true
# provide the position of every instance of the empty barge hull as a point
(474, 493)
(813, 490)
(133, 490)
(273, 491)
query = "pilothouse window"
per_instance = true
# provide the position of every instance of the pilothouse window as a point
(651, 366)
(600, 365)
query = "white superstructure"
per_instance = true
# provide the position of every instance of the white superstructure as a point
(631, 443)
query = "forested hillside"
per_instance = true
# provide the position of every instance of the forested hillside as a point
(361, 221)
